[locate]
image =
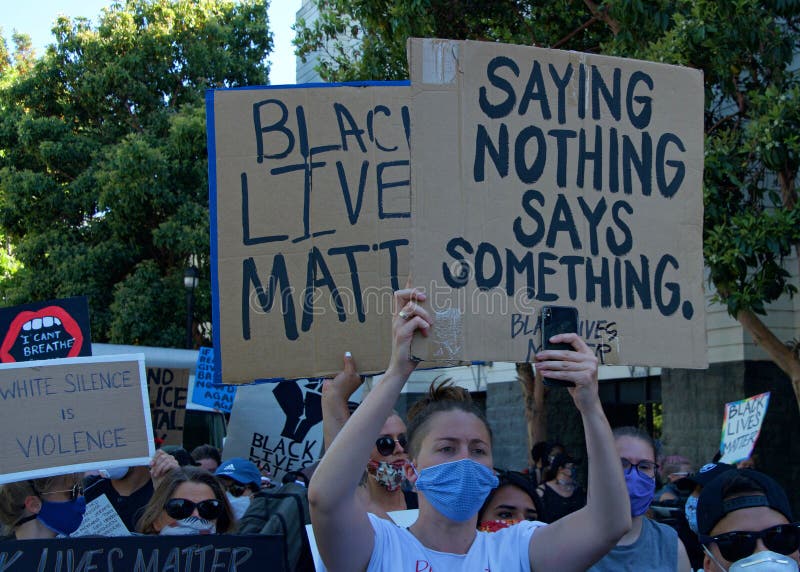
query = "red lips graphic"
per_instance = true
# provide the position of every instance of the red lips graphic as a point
(67, 321)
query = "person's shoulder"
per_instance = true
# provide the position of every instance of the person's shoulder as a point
(660, 528)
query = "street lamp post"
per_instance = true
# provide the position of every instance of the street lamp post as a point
(190, 282)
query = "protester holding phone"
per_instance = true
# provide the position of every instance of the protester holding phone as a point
(451, 466)
(188, 500)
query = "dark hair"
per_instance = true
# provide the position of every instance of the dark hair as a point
(636, 433)
(560, 460)
(513, 479)
(443, 396)
(540, 451)
(166, 488)
(206, 452)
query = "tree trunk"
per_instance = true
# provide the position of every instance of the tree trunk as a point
(534, 395)
(783, 356)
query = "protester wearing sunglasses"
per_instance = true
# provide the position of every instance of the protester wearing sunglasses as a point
(188, 500)
(381, 490)
(745, 524)
(42, 508)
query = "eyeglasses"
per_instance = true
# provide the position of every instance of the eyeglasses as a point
(236, 489)
(784, 539)
(75, 492)
(647, 468)
(385, 444)
(183, 508)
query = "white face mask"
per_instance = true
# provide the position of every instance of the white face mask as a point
(239, 505)
(115, 473)
(189, 525)
(690, 510)
(766, 561)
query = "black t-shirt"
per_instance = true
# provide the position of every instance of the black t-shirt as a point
(128, 508)
(554, 506)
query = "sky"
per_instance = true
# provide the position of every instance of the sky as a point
(36, 17)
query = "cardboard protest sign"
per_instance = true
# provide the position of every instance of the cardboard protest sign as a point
(741, 426)
(310, 207)
(168, 389)
(551, 177)
(277, 426)
(69, 415)
(206, 392)
(201, 553)
(46, 330)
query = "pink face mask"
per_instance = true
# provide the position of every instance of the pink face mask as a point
(389, 475)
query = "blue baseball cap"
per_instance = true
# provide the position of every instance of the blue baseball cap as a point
(241, 471)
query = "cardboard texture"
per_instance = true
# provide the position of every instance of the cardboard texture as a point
(741, 426)
(278, 426)
(168, 389)
(74, 414)
(310, 212)
(551, 177)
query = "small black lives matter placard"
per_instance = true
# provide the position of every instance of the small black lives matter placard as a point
(46, 330)
(218, 553)
(278, 426)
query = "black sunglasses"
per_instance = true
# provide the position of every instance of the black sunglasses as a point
(385, 444)
(236, 489)
(183, 508)
(783, 539)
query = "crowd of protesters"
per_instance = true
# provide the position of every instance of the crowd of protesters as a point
(640, 510)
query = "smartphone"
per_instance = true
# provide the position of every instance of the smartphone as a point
(556, 320)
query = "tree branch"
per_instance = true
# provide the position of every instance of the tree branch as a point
(574, 32)
(782, 355)
(535, 408)
(602, 14)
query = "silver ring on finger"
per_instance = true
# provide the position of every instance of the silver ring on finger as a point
(403, 314)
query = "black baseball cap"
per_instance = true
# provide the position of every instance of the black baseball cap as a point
(713, 505)
(704, 475)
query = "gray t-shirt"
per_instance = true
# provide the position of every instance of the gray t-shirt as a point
(656, 550)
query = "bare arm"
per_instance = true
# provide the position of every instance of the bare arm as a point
(335, 394)
(344, 534)
(579, 539)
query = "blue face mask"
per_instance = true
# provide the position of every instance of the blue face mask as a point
(62, 517)
(641, 489)
(690, 510)
(456, 489)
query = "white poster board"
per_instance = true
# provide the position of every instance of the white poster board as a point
(278, 426)
(741, 426)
